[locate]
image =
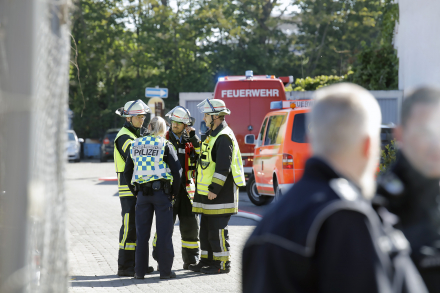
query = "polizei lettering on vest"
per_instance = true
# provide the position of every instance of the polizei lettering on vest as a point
(250, 93)
(146, 150)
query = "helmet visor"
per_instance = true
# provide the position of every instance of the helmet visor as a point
(179, 114)
(138, 107)
(206, 107)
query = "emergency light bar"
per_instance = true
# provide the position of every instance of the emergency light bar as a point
(277, 105)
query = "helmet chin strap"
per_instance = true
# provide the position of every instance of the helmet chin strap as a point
(212, 123)
(131, 122)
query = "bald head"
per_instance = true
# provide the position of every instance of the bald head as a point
(345, 131)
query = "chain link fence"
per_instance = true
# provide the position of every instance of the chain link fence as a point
(34, 74)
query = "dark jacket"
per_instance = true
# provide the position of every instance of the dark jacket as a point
(180, 148)
(221, 155)
(415, 199)
(322, 236)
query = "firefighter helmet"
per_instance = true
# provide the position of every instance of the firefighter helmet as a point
(213, 107)
(133, 108)
(180, 114)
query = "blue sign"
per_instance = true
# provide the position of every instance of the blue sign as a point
(151, 92)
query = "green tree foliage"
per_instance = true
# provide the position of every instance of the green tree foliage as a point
(377, 65)
(331, 33)
(317, 82)
(120, 47)
(98, 47)
(388, 157)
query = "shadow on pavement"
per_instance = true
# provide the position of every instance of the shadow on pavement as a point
(116, 281)
(107, 183)
(84, 278)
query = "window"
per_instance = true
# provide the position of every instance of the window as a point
(70, 136)
(111, 136)
(259, 141)
(273, 128)
(299, 128)
(386, 136)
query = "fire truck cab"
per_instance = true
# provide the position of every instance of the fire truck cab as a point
(281, 151)
(249, 98)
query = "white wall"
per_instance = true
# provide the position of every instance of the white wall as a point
(190, 101)
(418, 43)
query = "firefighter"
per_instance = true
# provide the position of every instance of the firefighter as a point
(219, 174)
(187, 144)
(154, 172)
(134, 113)
(410, 188)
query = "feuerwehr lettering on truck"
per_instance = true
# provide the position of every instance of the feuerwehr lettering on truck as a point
(250, 93)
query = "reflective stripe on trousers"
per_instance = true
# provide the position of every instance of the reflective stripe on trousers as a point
(124, 238)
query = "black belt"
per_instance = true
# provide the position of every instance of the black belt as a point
(149, 187)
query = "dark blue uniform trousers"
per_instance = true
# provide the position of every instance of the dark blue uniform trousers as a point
(146, 206)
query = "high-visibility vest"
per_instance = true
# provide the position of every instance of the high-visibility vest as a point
(119, 160)
(206, 166)
(147, 154)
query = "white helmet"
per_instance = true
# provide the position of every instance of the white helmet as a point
(213, 107)
(180, 114)
(133, 108)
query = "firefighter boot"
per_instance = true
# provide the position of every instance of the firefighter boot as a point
(210, 270)
(197, 267)
(186, 265)
(217, 267)
(129, 272)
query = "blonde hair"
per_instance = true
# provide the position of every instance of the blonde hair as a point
(341, 116)
(157, 126)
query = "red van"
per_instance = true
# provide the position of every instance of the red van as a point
(281, 151)
(249, 98)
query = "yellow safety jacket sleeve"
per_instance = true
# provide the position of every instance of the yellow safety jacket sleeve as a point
(222, 156)
(123, 143)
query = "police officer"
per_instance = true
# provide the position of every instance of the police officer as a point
(187, 144)
(410, 189)
(134, 113)
(154, 172)
(219, 174)
(323, 235)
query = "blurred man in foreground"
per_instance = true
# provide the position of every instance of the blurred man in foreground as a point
(410, 189)
(324, 236)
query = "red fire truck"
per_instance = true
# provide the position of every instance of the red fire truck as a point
(249, 97)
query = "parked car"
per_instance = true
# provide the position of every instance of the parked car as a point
(108, 144)
(281, 151)
(73, 146)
